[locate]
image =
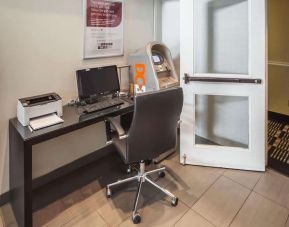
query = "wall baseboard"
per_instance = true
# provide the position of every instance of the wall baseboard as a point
(278, 117)
(4, 198)
(63, 171)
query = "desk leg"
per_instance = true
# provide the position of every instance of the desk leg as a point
(20, 170)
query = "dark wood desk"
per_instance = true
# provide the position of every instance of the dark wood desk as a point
(21, 140)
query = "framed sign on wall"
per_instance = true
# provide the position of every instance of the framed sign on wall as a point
(103, 32)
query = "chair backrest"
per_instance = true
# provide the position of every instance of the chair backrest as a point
(153, 129)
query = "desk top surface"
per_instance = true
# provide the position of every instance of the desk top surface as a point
(73, 119)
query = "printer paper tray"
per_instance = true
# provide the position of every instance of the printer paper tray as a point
(45, 121)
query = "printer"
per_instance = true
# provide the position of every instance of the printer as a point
(37, 106)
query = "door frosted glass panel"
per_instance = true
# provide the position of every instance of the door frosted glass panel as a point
(221, 29)
(222, 120)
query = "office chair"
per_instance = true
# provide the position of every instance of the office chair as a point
(153, 131)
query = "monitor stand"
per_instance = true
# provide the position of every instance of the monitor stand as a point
(95, 98)
(92, 99)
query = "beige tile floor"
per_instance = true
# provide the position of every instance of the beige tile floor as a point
(207, 197)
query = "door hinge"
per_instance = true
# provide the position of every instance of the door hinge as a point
(184, 159)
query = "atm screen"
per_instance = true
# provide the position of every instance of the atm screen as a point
(156, 59)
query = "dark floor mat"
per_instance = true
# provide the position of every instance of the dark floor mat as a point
(278, 145)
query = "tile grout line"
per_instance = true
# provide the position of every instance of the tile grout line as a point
(266, 196)
(1, 219)
(96, 209)
(78, 215)
(149, 199)
(181, 217)
(121, 222)
(276, 203)
(126, 218)
(251, 190)
(63, 224)
(183, 214)
(191, 208)
(102, 218)
(66, 210)
(152, 197)
(275, 171)
(224, 171)
(240, 208)
(287, 221)
(206, 190)
(262, 175)
(244, 186)
(67, 222)
(263, 195)
(155, 194)
(173, 207)
(139, 208)
(81, 213)
(204, 218)
(202, 196)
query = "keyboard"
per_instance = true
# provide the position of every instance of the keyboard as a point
(101, 105)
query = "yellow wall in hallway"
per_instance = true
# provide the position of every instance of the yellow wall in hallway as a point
(278, 37)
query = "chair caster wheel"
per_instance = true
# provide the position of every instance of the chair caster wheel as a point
(136, 218)
(162, 174)
(148, 162)
(128, 170)
(174, 202)
(108, 193)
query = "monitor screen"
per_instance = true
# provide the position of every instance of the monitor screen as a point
(97, 81)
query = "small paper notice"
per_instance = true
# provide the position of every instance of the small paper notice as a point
(45, 121)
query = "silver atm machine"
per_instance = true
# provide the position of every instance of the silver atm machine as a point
(152, 68)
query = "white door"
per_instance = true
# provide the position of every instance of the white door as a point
(223, 58)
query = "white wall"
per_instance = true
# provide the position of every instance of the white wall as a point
(170, 27)
(40, 49)
(167, 27)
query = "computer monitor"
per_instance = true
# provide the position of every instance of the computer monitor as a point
(95, 82)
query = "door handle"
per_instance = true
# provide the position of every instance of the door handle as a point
(189, 79)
